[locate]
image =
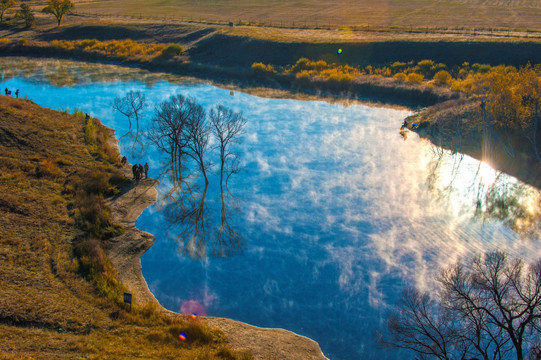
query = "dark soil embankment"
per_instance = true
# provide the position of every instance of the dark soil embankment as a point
(234, 51)
(456, 125)
(148, 33)
(227, 59)
(373, 89)
(210, 47)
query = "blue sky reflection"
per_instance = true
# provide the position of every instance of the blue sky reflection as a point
(338, 213)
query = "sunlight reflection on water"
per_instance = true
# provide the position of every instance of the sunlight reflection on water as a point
(338, 213)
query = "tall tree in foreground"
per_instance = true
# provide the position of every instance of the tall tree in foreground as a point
(4, 5)
(487, 309)
(59, 8)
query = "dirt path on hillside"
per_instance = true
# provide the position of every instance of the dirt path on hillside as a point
(125, 250)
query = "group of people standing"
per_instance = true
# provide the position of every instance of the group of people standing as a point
(8, 92)
(139, 170)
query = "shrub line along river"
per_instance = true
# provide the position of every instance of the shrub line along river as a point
(336, 211)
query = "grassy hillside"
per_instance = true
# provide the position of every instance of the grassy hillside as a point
(307, 21)
(58, 295)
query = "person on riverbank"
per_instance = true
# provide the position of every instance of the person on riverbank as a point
(141, 171)
(146, 170)
(17, 93)
(134, 171)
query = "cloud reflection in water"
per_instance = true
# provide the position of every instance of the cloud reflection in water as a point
(338, 212)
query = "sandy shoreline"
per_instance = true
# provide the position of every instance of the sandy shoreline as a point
(125, 253)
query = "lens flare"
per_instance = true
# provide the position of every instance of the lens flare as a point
(182, 336)
(192, 307)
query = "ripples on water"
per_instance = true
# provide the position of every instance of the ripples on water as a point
(337, 211)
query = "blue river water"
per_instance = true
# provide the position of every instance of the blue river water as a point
(332, 215)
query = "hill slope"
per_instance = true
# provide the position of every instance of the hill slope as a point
(59, 298)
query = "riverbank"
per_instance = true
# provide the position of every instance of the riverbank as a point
(59, 295)
(125, 252)
(224, 56)
(228, 74)
(370, 89)
(457, 125)
(470, 141)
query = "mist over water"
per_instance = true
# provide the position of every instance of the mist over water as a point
(337, 212)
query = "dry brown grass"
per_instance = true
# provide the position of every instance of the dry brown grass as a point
(124, 49)
(515, 14)
(47, 308)
(311, 20)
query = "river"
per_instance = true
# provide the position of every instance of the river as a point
(331, 216)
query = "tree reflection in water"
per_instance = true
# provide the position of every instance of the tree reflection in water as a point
(486, 194)
(201, 228)
(181, 129)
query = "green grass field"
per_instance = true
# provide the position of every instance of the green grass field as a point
(446, 14)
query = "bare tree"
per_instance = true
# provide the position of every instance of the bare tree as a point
(227, 126)
(196, 134)
(131, 105)
(421, 324)
(187, 211)
(490, 309)
(181, 128)
(167, 130)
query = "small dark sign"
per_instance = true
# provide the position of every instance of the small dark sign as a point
(127, 298)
